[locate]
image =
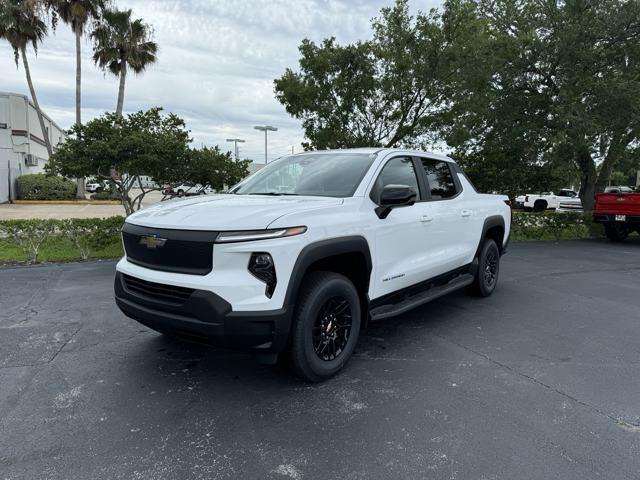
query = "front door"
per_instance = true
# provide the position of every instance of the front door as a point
(402, 242)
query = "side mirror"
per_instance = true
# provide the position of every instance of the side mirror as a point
(394, 196)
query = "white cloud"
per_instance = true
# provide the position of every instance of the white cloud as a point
(217, 62)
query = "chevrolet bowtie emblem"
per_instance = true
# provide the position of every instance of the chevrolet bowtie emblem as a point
(152, 241)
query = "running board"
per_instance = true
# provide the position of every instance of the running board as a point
(391, 310)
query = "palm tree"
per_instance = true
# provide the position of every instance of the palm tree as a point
(120, 44)
(21, 25)
(77, 13)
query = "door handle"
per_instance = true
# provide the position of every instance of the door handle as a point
(466, 213)
(425, 218)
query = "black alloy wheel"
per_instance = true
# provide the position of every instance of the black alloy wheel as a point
(326, 325)
(491, 268)
(332, 328)
(488, 272)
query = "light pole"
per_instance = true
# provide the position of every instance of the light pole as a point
(265, 129)
(235, 141)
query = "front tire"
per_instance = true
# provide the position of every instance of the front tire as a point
(488, 270)
(326, 325)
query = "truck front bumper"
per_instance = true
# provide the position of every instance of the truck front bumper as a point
(202, 316)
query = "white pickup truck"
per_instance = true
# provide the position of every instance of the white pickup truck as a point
(546, 200)
(300, 256)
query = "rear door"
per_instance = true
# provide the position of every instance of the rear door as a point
(455, 220)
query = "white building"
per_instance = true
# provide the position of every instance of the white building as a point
(22, 148)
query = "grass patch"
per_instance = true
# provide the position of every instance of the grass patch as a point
(57, 249)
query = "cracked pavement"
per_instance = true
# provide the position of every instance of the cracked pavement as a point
(539, 381)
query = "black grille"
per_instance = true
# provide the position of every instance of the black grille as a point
(179, 251)
(157, 291)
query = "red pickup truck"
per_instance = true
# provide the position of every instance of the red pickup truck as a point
(619, 213)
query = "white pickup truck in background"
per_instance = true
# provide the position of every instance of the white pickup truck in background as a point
(547, 200)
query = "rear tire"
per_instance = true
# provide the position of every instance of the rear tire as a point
(540, 206)
(326, 325)
(616, 232)
(488, 272)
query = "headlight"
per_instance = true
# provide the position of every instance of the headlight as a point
(250, 235)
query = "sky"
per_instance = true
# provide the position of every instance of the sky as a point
(216, 65)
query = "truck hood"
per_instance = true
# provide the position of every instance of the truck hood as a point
(226, 212)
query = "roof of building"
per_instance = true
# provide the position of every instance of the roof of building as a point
(13, 94)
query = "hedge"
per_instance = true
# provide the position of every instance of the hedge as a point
(106, 196)
(551, 225)
(86, 234)
(93, 234)
(39, 186)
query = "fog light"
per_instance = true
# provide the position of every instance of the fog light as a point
(262, 267)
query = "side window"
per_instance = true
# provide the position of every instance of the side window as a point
(440, 179)
(397, 171)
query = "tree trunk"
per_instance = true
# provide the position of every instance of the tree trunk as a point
(79, 181)
(587, 179)
(45, 132)
(123, 78)
(123, 189)
(78, 79)
(616, 148)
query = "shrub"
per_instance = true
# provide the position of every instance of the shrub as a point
(106, 196)
(28, 235)
(86, 234)
(39, 186)
(538, 226)
(90, 234)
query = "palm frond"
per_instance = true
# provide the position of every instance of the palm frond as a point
(21, 24)
(118, 40)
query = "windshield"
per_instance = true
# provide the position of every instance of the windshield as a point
(318, 174)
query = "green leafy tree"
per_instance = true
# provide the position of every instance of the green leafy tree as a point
(626, 172)
(211, 167)
(381, 92)
(124, 148)
(122, 44)
(556, 82)
(503, 172)
(21, 24)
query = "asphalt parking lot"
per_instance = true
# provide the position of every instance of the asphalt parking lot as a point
(540, 381)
